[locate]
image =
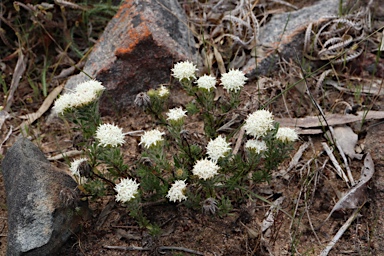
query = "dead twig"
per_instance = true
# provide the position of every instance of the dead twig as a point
(160, 249)
(17, 75)
(60, 156)
(339, 170)
(6, 138)
(339, 233)
(239, 140)
(332, 119)
(349, 173)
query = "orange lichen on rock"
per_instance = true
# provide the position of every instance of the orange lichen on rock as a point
(135, 36)
(127, 5)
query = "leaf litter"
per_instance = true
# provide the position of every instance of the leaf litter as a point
(309, 124)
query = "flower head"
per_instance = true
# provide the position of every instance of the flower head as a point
(184, 70)
(259, 123)
(163, 91)
(176, 192)
(256, 146)
(176, 114)
(151, 138)
(126, 190)
(88, 91)
(217, 148)
(233, 80)
(109, 135)
(84, 94)
(63, 103)
(285, 135)
(205, 169)
(206, 82)
(76, 171)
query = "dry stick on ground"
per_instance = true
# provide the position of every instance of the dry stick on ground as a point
(339, 170)
(160, 249)
(70, 153)
(307, 208)
(332, 119)
(296, 158)
(349, 173)
(6, 138)
(239, 140)
(339, 233)
(17, 75)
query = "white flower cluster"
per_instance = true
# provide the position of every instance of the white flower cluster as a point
(109, 135)
(126, 190)
(285, 135)
(206, 82)
(184, 70)
(150, 138)
(74, 168)
(259, 123)
(84, 94)
(163, 91)
(217, 148)
(176, 192)
(176, 114)
(205, 169)
(233, 80)
(256, 146)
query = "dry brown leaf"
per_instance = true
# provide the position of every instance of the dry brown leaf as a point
(332, 119)
(347, 140)
(270, 216)
(17, 75)
(354, 197)
(219, 60)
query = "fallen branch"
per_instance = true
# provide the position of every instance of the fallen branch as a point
(349, 173)
(332, 119)
(339, 170)
(160, 249)
(65, 154)
(339, 233)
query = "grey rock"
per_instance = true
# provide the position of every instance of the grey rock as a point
(137, 51)
(40, 220)
(285, 33)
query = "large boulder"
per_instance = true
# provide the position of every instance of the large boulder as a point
(41, 201)
(284, 35)
(137, 50)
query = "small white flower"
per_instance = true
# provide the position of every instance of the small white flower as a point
(233, 80)
(184, 70)
(150, 138)
(256, 146)
(176, 114)
(206, 82)
(286, 135)
(92, 87)
(163, 91)
(217, 148)
(109, 135)
(259, 123)
(75, 170)
(126, 190)
(63, 103)
(205, 169)
(84, 94)
(176, 192)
